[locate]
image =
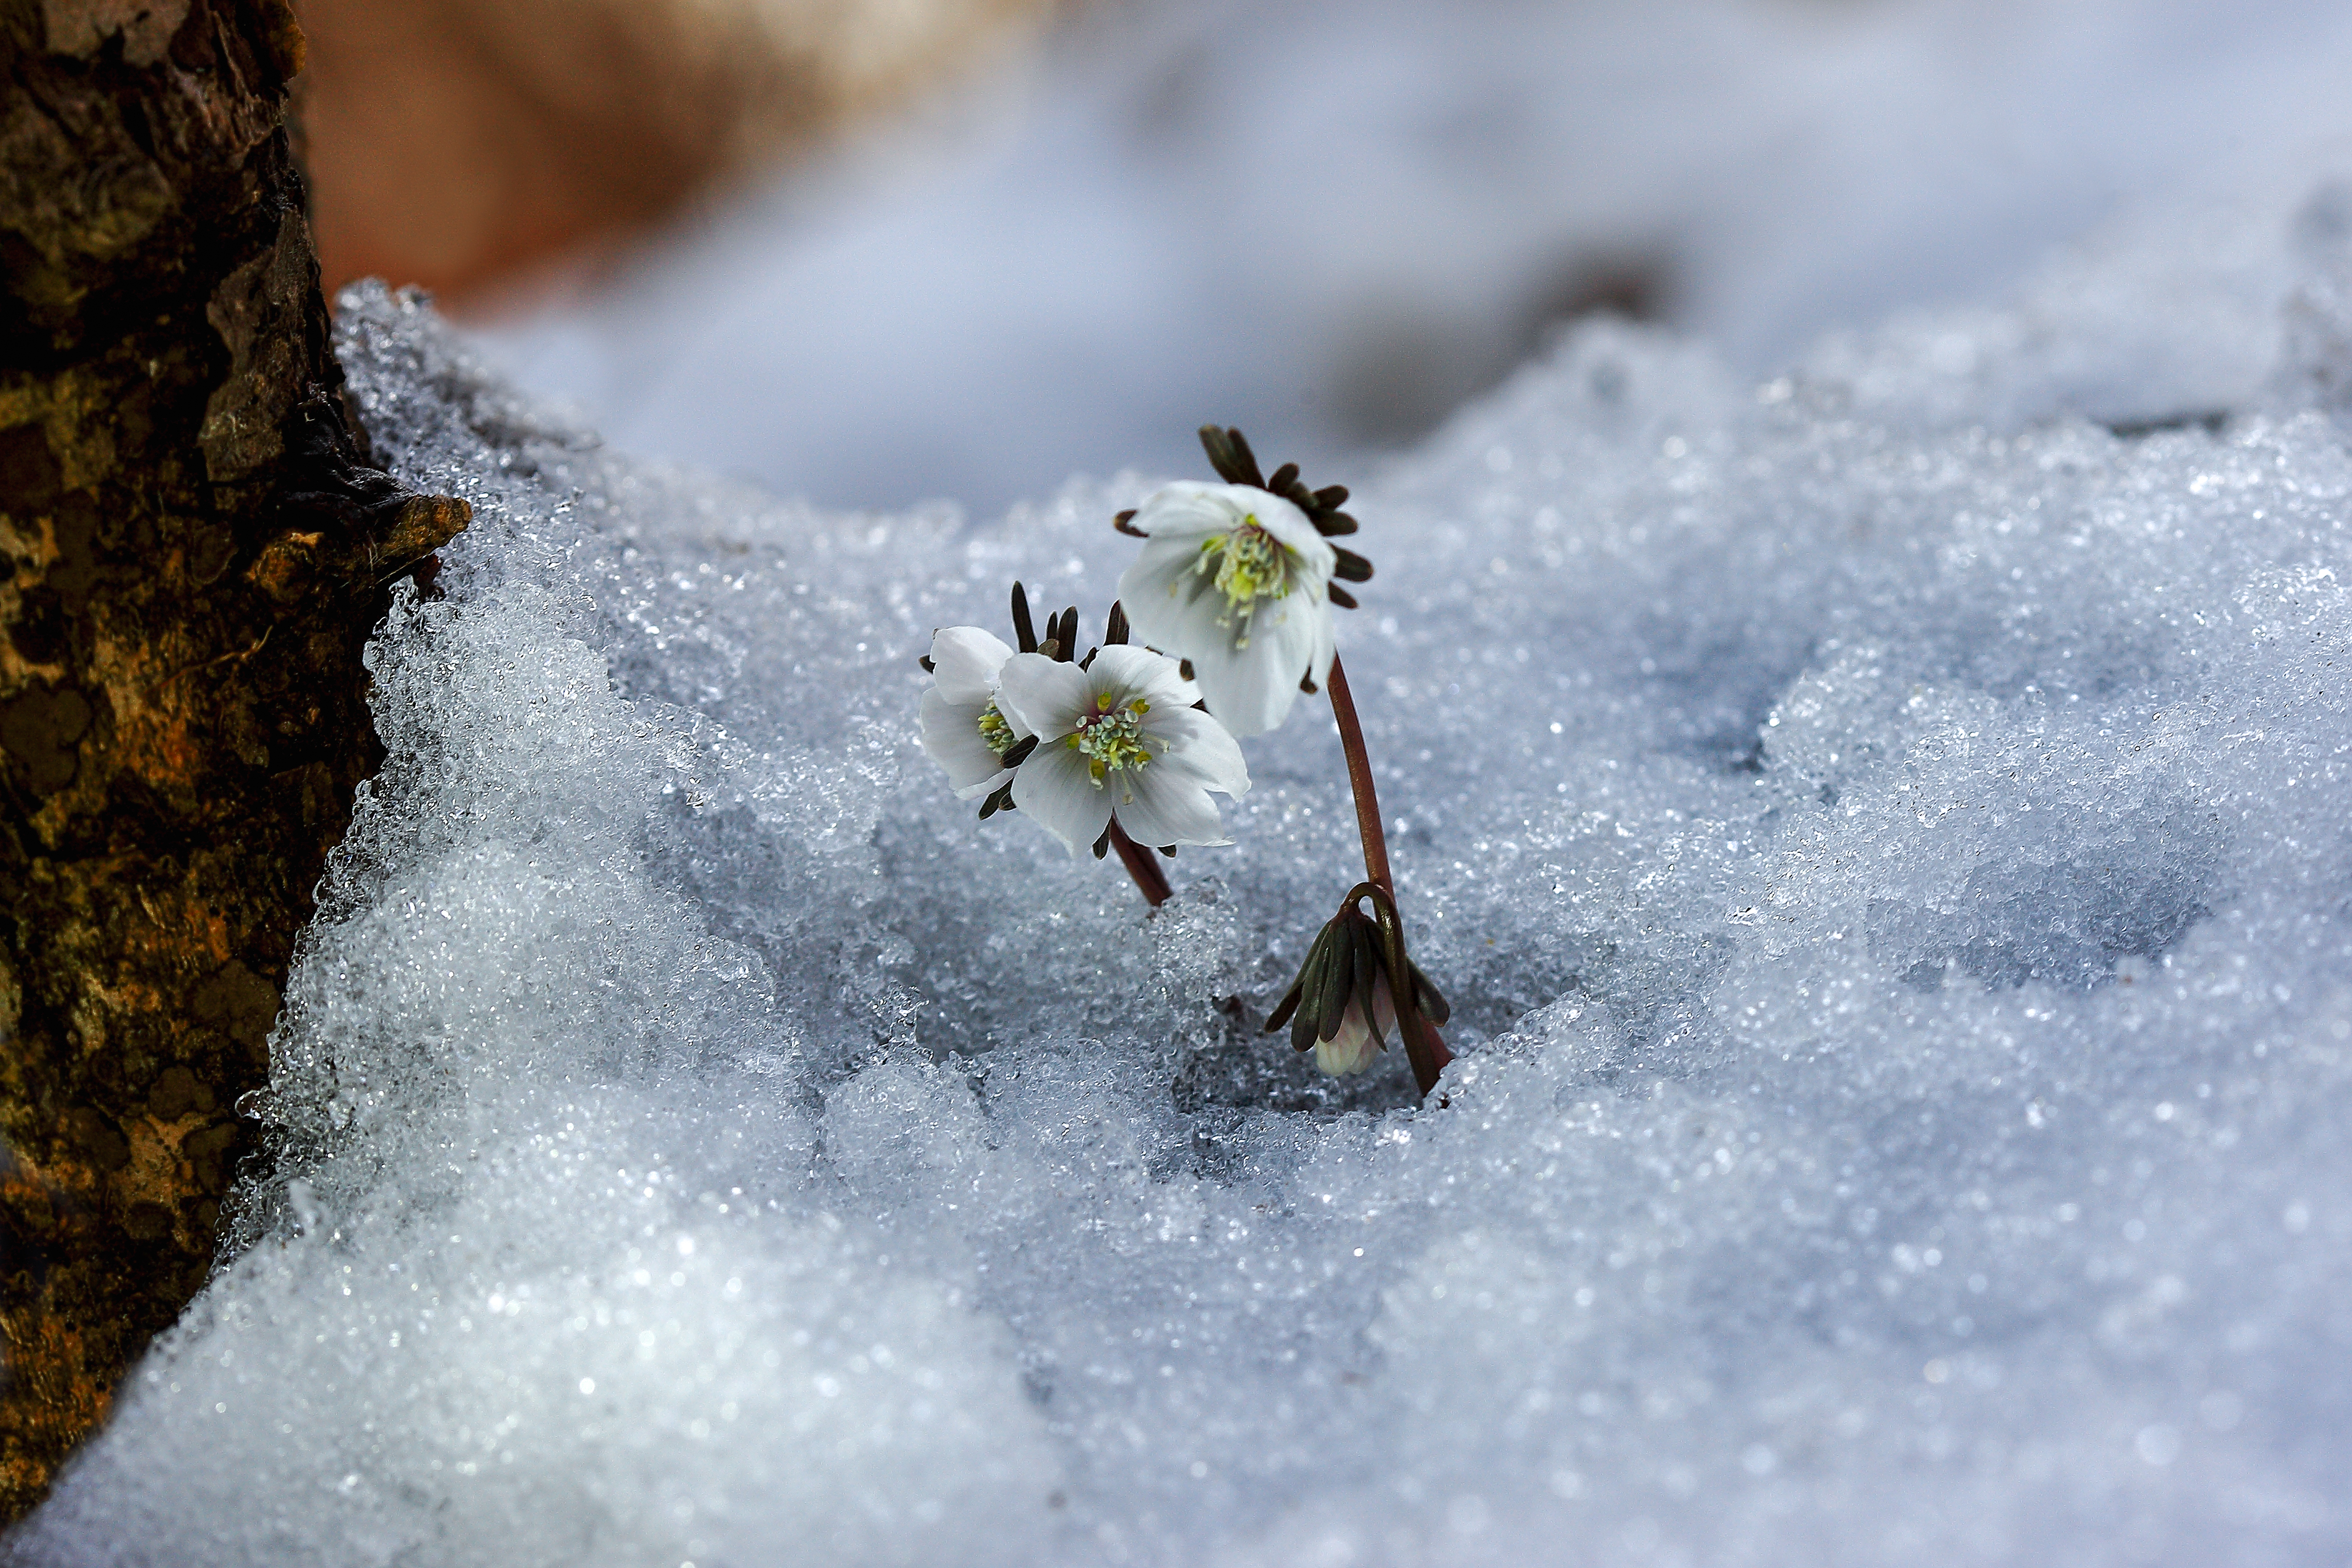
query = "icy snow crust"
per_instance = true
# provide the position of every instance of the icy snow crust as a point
(1886, 842)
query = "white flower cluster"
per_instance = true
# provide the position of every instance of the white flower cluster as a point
(1231, 602)
(1234, 582)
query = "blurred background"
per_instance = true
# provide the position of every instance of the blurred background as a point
(877, 251)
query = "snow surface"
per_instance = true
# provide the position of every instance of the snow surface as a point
(1885, 837)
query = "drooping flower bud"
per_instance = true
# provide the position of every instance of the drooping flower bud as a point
(1342, 1006)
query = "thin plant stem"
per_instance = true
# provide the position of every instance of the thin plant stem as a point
(1360, 780)
(1423, 1046)
(1141, 864)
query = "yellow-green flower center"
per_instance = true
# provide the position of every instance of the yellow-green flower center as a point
(1112, 738)
(996, 729)
(1251, 564)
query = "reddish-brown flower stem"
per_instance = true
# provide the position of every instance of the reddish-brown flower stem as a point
(1423, 1046)
(1141, 864)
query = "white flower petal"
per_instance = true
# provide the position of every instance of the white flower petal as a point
(1250, 690)
(1164, 803)
(1123, 673)
(1360, 1040)
(1300, 639)
(1163, 585)
(1054, 788)
(1043, 696)
(1181, 620)
(1325, 649)
(1201, 747)
(1193, 510)
(1351, 1051)
(965, 662)
(952, 739)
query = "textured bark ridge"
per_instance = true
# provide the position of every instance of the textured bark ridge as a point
(193, 547)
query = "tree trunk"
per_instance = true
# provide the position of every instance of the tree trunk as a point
(193, 548)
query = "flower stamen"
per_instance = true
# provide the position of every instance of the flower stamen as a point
(996, 729)
(1251, 566)
(1111, 739)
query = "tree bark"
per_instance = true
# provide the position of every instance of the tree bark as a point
(193, 549)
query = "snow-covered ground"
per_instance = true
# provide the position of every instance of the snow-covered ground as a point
(1886, 835)
(1885, 838)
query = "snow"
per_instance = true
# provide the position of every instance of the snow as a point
(1332, 221)
(1884, 837)
(1883, 830)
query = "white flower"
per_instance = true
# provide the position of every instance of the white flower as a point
(1238, 581)
(1120, 737)
(964, 729)
(1360, 1039)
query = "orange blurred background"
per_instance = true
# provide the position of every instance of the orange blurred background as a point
(478, 148)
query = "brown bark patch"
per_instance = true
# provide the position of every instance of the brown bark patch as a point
(192, 553)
